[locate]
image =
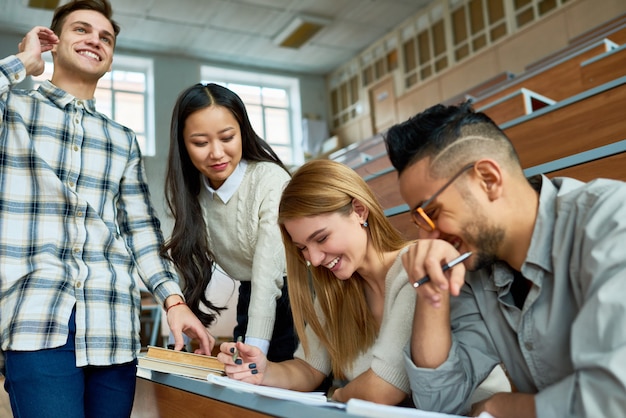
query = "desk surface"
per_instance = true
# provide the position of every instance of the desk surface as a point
(201, 394)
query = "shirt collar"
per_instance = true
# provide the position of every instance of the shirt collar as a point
(540, 250)
(230, 186)
(61, 98)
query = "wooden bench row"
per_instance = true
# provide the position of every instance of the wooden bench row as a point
(480, 89)
(614, 30)
(514, 105)
(585, 121)
(514, 98)
(372, 150)
(369, 156)
(558, 81)
(591, 59)
(604, 67)
(360, 152)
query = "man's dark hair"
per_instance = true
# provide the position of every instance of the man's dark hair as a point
(101, 6)
(429, 132)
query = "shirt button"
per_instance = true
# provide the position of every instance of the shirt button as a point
(76, 250)
(79, 285)
(16, 76)
(75, 147)
(79, 214)
(71, 184)
(529, 346)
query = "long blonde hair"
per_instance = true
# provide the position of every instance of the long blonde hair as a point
(323, 187)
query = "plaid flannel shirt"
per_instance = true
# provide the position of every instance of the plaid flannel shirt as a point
(76, 225)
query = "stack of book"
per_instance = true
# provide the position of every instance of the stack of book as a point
(181, 363)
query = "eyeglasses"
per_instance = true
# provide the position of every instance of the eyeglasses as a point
(418, 214)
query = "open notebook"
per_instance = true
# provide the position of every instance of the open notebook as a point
(374, 410)
(354, 406)
(310, 398)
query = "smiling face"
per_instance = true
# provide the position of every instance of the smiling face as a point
(460, 213)
(85, 49)
(335, 241)
(213, 141)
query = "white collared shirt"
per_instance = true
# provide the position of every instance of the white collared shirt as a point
(230, 186)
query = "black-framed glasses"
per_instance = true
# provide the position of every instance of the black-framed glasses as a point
(418, 214)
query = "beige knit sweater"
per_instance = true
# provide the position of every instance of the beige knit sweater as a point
(244, 237)
(385, 356)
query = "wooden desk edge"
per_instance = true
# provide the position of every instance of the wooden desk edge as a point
(251, 401)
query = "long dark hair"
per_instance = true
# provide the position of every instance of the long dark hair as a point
(188, 247)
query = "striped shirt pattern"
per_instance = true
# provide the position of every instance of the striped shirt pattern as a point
(76, 225)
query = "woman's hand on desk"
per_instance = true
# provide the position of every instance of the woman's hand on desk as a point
(182, 320)
(243, 362)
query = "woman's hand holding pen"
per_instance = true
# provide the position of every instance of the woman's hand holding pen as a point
(243, 362)
(426, 258)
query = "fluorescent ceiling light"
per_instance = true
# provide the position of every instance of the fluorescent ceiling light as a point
(301, 29)
(43, 4)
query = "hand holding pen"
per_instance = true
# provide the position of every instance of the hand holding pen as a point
(444, 268)
(425, 263)
(235, 350)
(436, 297)
(242, 361)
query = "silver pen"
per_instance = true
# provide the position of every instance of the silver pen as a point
(445, 267)
(236, 352)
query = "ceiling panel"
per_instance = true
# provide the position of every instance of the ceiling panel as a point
(251, 19)
(194, 12)
(279, 4)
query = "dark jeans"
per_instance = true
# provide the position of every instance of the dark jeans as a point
(47, 384)
(284, 340)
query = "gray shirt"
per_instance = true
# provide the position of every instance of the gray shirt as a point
(568, 342)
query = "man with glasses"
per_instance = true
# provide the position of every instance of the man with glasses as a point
(545, 288)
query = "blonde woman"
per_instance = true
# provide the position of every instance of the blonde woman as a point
(351, 299)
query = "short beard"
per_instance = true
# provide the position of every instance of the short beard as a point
(486, 239)
(480, 234)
